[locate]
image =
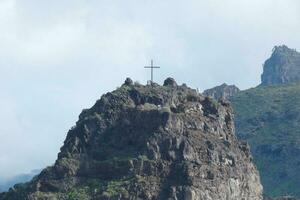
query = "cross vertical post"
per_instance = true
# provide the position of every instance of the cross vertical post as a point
(152, 67)
(151, 70)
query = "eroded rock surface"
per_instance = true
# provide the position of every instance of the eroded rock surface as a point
(149, 142)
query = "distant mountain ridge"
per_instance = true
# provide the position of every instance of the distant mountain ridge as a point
(282, 67)
(21, 178)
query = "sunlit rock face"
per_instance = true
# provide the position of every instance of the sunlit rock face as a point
(282, 67)
(149, 142)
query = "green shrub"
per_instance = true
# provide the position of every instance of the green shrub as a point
(78, 194)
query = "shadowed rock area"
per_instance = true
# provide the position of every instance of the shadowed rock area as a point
(282, 67)
(149, 142)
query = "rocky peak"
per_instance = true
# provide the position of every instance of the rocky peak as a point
(223, 91)
(282, 67)
(149, 142)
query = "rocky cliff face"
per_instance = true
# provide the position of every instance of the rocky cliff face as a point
(149, 142)
(282, 67)
(223, 91)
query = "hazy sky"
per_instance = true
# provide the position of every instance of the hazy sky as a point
(58, 57)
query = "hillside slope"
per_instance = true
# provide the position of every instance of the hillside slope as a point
(268, 117)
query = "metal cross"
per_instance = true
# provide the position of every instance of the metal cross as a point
(152, 67)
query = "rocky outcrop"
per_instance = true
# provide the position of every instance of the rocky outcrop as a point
(223, 91)
(149, 142)
(282, 67)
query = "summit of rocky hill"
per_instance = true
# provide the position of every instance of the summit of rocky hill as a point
(149, 142)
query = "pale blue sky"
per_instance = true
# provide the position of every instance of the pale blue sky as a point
(58, 57)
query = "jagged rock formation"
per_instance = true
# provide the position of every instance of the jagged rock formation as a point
(149, 142)
(223, 91)
(282, 67)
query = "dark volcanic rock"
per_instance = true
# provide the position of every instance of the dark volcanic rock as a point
(223, 91)
(283, 67)
(170, 82)
(128, 82)
(149, 142)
